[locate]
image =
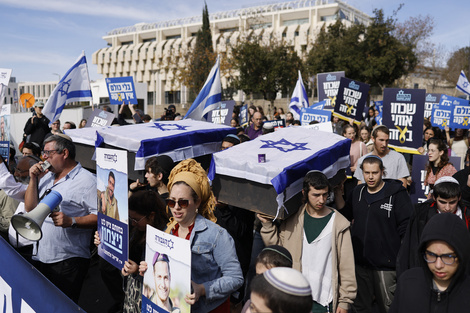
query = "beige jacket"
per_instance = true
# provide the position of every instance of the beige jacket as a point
(290, 234)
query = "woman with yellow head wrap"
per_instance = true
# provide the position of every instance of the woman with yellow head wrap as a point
(215, 270)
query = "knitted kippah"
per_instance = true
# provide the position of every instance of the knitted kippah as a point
(288, 280)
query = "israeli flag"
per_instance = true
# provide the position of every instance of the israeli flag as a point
(73, 87)
(299, 99)
(209, 97)
(463, 85)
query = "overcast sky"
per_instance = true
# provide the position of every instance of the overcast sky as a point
(41, 39)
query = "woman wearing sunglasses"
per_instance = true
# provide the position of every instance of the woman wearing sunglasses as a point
(215, 270)
(441, 283)
(145, 208)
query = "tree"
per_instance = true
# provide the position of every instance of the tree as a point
(266, 69)
(458, 61)
(369, 54)
(200, 60)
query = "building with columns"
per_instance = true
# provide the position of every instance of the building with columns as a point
(152, 53)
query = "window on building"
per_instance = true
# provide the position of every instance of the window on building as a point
(150, 40)
(329, 18)
(173, 37)
(125, 43)
(172, 97)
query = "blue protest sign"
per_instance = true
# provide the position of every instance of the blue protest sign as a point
(460, 114)
(441, 114)
(319, 105)
(431, 100)
(243, 115)
(121, 89)
(403, 114)
(351, 99)
(327, 87)
(111, 174)
(308, 115)
(379, 106)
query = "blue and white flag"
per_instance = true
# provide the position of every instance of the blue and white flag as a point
(299, 98)
(209, 97)
(73, 87)
(463, 85)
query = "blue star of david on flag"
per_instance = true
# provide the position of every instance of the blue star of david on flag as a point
(168, 127)
(64, 88)
(284, 145)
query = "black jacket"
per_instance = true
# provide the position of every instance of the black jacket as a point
(378, 227)
(38, 128)
(415, 292)
(408, 257)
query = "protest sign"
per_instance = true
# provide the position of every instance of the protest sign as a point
(351, 99)
(379, 106)
(319, 105)
(418, 191)
(111, 175)
(222, 114)
(327, 87)
(431, 100)
(100, 118)
(308, 115)
(277, 124)
(243, 115)
(5, 132)
(168, 277)
(403, 114)
(460, 114)
(121, 90)
(441, 113)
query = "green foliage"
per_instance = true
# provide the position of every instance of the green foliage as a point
(369, 54)
(265, 69)
(201, 59)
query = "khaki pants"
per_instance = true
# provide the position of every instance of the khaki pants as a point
(373, 285)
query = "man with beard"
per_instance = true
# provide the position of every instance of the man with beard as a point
(108, 202)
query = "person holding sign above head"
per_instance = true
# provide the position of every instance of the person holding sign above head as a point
(393, 161)
(438, 165)
(215, 270)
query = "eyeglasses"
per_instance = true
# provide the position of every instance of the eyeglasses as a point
(447, 259)
(48, 152)
(181, 203)
(136, 221)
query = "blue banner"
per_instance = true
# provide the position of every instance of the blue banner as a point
(403, 114)
(441, 113)
(308, 114)
(25, 289)
(351, 99)
(327, 87)
(431, 100)
(121, 89)
(460, 114)
(319, 105)
(243, 115)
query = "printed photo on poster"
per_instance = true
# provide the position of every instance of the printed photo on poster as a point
(168, 277)
(112, 191)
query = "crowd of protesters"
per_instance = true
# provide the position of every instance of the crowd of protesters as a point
(355, 245)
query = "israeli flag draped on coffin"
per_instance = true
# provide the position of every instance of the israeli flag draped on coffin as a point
(178, 139)
(290, 153)
(73, 87)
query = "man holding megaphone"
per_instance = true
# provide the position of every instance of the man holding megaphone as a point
(63, 251)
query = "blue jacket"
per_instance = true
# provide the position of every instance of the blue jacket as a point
(214, 264)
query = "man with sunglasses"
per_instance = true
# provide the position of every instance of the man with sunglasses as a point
(440, 283)
(446, 196)
(64, 249)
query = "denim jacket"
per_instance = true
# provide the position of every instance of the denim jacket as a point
(214, 264)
